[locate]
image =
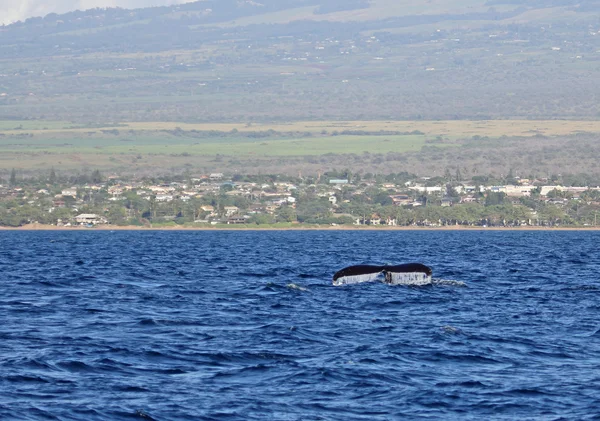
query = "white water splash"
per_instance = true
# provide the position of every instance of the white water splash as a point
(410, 279)
(296, 287)
(357, 279)
(449, 282)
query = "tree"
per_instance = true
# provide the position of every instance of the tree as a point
(510, 177)
(52, 177)
(225, 188)
(313, 210)
(458, 175)
(383, 198)
(494, 198)
(286, 214)
(447, 175)
(117, 215)
(261, 219)
(153, 206)
(13, 178)
(96, 177)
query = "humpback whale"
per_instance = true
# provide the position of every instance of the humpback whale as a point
(406, 274)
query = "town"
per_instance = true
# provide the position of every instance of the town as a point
(329, 199)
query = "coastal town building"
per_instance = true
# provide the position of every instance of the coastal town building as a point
(218, 200)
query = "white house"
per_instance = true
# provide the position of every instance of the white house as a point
(230, 210)
(164, 198)
(90, 219)
(70, 192)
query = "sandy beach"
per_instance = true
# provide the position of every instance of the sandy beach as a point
(42, 227)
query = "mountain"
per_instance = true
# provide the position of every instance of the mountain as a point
(282, 60)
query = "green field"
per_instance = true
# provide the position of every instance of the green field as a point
(232, 146)
(17, 126)
(295, 146)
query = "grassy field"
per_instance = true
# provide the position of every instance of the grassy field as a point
(454, 128)
(18, 126)
(39, 145)
(232, 146)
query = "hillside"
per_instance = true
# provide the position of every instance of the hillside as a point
(282, 60)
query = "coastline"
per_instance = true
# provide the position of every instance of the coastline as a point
(42, 227)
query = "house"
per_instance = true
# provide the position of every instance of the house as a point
(375, 220)
(230, 210)
(234, 193)
(518, 191)
(164, 198)
(431, 189)
(465, 189)
(90, 219)
(401, 199)
(256, 208)
(512, 190)
(338, 181)
(237, 220)
(70, 192)
(161, 189)
(547, 189)
(115, 190)
(468, 199)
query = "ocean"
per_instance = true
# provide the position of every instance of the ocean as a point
(246, 325)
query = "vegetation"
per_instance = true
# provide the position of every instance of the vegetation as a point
(284, 60)
(130, 152)
(397, 199)
(304, 87)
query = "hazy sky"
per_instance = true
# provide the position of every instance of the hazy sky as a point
(13, 10)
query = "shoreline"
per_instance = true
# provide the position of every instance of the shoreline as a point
(42, 227)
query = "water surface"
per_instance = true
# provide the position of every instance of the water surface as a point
(235, 325)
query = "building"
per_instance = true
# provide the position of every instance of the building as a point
(401, 199)
(230, 210)
(70, 192)
(90, 219)
(164, 198)
(428, 190)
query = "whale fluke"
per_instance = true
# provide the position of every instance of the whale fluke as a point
(408, 274)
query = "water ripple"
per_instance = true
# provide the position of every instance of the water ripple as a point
(247, 326)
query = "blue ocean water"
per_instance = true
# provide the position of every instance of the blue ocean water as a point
(243, 325)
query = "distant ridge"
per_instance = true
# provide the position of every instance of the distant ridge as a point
(284, 60)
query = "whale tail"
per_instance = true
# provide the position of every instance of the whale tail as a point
(406, 274)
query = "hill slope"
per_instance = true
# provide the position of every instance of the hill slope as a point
(232, 60)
